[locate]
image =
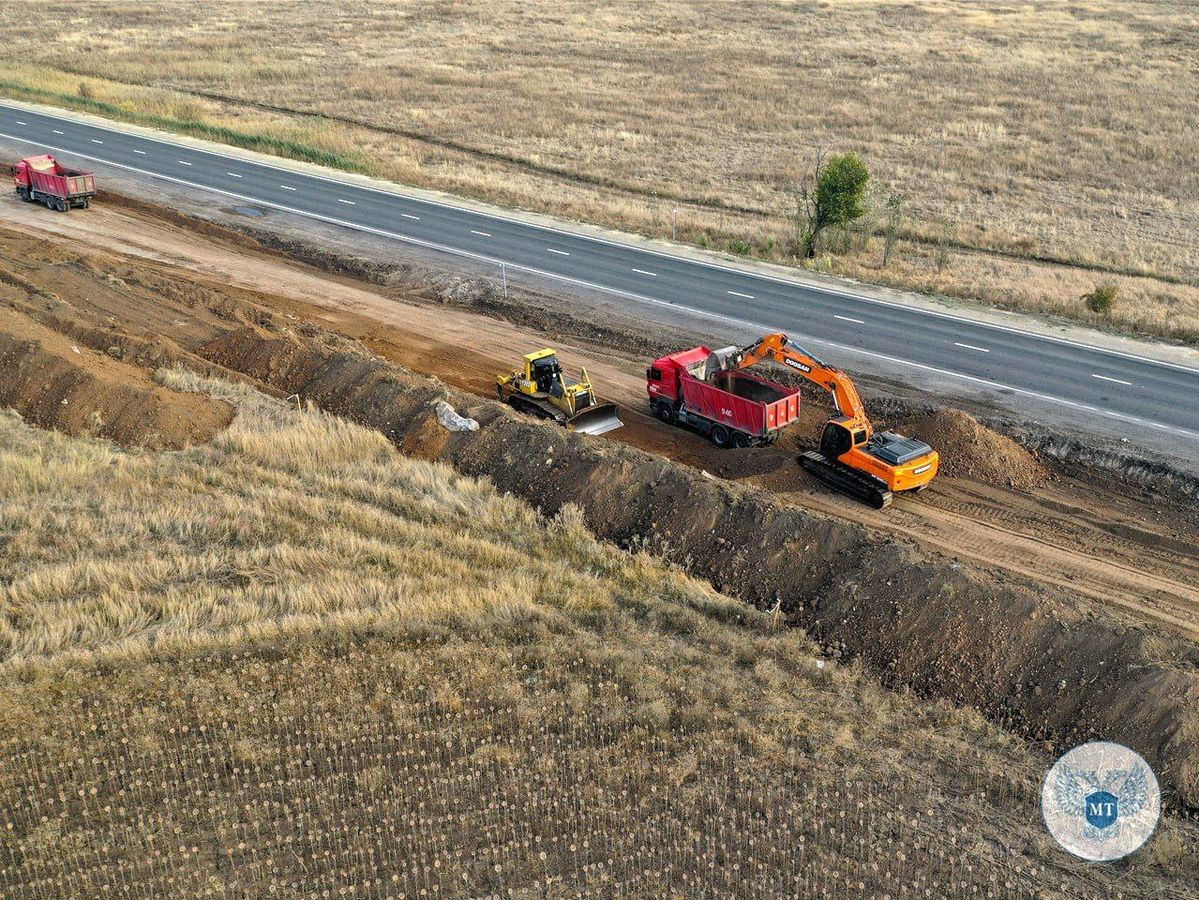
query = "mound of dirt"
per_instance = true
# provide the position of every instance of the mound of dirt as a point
(971, 450)
(56, 384)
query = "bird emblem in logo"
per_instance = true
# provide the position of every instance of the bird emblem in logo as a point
(1101, 801)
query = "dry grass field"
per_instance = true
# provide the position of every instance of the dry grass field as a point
(292, 661)
(1041, 148)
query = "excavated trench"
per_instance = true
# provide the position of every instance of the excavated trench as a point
(1029, 660)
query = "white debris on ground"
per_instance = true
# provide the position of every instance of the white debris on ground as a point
(451, 421)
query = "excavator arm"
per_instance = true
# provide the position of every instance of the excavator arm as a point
(781, 349)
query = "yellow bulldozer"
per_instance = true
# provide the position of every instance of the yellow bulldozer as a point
(541, 389)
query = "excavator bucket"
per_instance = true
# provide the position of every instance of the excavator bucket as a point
(597, 419)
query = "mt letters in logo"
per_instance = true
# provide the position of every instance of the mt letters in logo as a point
(1101, 801)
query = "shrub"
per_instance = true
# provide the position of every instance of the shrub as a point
(1102, 297)
(741, 248)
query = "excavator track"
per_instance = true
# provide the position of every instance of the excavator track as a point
(858, 485)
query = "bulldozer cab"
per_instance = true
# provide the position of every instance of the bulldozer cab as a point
(543, 369)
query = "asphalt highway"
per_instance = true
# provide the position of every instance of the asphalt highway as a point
(1158, 396)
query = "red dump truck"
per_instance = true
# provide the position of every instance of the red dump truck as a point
(43, 179)
(733, 409)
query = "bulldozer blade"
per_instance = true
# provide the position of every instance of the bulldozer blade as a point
(598, 419)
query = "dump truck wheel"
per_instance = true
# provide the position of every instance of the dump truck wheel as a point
(740, 441)
(720, 436)
(666, 412)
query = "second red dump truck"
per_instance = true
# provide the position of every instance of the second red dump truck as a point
(734, 409)
(43, 179)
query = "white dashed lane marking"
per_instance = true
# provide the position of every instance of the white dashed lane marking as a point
(739, 294)
(56, 131)
(1116, 380)
(972, 347)
(287, 187)
(350, 202)
(94, 141)
(233, 175)
(644, 272)
(184, 162)
(410, 216)
(481, 233)
(140, 152)
(848, 319)
(559, 252)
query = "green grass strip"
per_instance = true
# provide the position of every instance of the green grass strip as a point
(276, 146)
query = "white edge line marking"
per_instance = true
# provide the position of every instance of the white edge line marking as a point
(848, 319)
(483, 233)
(559, 252)
(410, 216)
(971, 347)
(499, 217)
(739, 294)
(1116, 380)
(350, 202)
(644, 272)
(741, 323)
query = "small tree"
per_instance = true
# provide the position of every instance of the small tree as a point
(833, 192)
(894, 207)
(1102, 297)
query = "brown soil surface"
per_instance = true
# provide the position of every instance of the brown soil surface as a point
(975, 451)
(147, 293)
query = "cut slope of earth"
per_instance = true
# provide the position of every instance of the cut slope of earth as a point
(294, 661)
(58, 384)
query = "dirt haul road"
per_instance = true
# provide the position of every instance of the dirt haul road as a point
(1091, 536)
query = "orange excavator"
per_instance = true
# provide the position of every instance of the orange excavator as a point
(853, 458)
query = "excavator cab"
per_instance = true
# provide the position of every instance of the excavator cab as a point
(840, 436)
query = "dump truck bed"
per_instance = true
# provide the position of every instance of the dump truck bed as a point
(738, 400)
(742, 401)
(49, 176)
